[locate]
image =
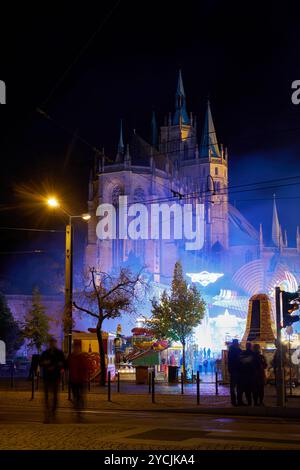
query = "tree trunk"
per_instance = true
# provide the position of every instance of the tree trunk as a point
(183, 360)
(102, 355)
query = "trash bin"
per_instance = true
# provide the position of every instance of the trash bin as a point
(173, 374)
(141, 375)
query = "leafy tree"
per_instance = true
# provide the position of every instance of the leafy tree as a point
(36, 326)
(10, 331)
(177, 313)
(105, 297)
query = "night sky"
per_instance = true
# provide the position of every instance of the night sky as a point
(87, 65)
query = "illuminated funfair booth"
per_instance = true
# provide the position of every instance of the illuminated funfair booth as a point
(89, 346)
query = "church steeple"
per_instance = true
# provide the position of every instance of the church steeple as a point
(154, 132)
(209, 143)
(121, 146)
(181, 115)
(261, 238)
(276, 229)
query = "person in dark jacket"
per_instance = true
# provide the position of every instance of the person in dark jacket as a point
(260, 365)
(247, 372)
(79, 377)
(52, 362)
(233, 369)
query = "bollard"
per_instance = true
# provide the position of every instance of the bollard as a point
(118, 382)
(217, 384)
(149, 381)
(182, 390)
(153, 386)
(32, 386)
(198, 388)
(12, 371)
(108, 386)
(69, 387)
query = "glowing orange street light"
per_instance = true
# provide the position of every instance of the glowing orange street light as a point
(52, 202)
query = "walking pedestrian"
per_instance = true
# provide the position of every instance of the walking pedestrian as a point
(79, 376)
(260, 365)
(247, 372)
(52, 362)
(233, 369)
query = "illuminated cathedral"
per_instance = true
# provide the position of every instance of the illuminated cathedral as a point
(179, 163)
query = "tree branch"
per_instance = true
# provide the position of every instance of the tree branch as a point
(85, 310)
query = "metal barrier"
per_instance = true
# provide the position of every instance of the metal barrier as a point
(153, 386)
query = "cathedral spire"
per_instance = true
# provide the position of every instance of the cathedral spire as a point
(261, 238)
(180, 116)
(209, 143)
(121, 141)
(154, 133)
(285, 239)
(276, 229)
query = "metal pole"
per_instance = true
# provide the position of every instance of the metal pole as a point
(198, 388)
(118, 382)
(153, 386)
(69, 286)
(149, 381)
(217, 384)
(108, 386)
(69, 387)
(32, 387)
(182, 389)
(290, 364)
(280, 386)
(12, 374)
(37, 380)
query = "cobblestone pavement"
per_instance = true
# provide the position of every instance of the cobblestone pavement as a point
(112, 426)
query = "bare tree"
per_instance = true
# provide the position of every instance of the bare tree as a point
(106, 296)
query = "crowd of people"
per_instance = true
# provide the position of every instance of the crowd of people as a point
(247, 370)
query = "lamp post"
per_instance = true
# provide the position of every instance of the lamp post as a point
(54, 203)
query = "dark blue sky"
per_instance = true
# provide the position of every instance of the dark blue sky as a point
(244, 56)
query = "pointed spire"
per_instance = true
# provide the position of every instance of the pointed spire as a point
(154, 133)
(281, 243)
(261, 238)
(127, 158)
(209, 144)
(121, 141)
(180, 116)
(285, 239)
(275, 225)
(180, 89)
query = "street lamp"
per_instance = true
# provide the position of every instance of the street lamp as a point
(54, 203)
